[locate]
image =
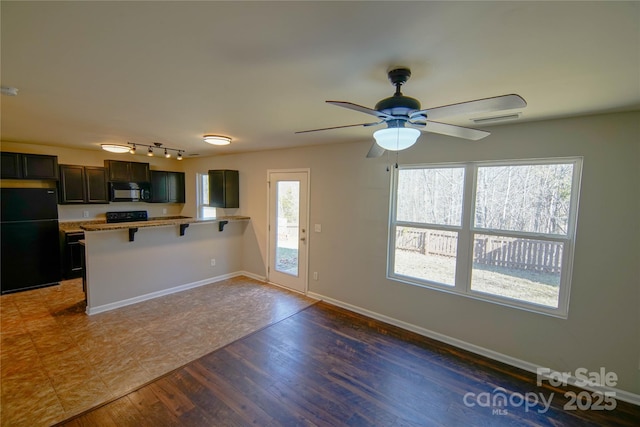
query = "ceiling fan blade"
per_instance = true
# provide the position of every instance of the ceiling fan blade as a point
(453, 130)
(360, 108)
(375, 151)
(339, 127)
(496, 103)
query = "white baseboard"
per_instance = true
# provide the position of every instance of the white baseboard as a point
(173, 290)
(518, 363)
(251, 276)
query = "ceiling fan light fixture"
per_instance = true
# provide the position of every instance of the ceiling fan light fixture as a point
(217, 139)
(115, 148)
(396, 138)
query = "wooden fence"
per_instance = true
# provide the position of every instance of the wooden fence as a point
(522, 254)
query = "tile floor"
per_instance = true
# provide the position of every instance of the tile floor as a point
(57, 362)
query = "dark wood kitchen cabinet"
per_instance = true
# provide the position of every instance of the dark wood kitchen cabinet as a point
(29, 166)
(83, 185)
(72, 255)
(11, 166)
(224, 189)
(120, 171)
(167, 187)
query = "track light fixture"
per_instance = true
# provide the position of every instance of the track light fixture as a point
(155, 145)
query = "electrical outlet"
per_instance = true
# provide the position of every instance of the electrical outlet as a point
(213, 262)
(85, 214)
(315, 275)
(164, 211)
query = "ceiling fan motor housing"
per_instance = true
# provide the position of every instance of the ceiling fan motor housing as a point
(398, 105)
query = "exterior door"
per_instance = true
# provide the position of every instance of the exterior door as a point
(288, 228)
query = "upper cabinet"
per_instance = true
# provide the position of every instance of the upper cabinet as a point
(83, 184)
(11, 166)
(120, 171)
(29, 166)
(167, 187)
(224, 189)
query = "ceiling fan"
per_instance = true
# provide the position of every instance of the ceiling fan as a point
(405, 118)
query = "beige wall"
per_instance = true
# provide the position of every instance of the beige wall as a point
(349, 198)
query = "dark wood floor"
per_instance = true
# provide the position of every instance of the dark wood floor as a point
(327, 366)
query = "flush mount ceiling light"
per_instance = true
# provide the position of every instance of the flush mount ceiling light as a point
(217, 139)
(9, 91)
(115, 148)
(397, 138)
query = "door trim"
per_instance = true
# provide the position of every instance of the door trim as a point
(307, 171)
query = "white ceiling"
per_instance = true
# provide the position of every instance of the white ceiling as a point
(169, 72)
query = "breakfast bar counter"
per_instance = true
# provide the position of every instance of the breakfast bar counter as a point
(158, 222)
(166, 255)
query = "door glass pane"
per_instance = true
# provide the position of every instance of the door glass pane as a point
(287, 226)
(426, 254)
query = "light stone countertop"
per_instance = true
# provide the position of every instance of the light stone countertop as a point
(74, 226)
(157, 222)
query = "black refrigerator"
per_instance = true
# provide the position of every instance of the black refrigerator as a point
(30, 239)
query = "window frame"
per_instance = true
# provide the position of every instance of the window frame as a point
(467, 232)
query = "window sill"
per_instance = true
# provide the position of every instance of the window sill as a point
(480, 296)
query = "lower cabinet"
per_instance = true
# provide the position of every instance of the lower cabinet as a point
(72, 255)
(167, 187)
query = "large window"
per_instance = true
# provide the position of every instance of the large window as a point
(497, 231)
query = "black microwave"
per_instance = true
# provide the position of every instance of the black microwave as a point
(129, 191)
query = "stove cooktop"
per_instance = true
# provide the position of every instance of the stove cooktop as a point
(126, 216)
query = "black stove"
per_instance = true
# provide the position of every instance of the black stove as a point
(126, 216)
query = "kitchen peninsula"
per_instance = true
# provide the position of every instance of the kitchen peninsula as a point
(129, 262)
